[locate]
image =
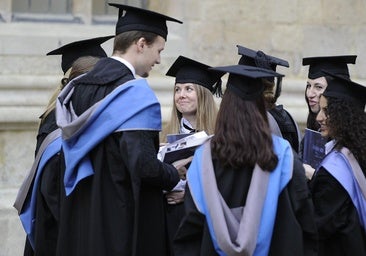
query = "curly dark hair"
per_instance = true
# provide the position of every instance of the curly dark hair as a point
(347, 125)
(242, 134)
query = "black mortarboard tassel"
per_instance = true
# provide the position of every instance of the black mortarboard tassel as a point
(334, 64)
(187, 70)
(260, 59)
(343, 88)
(134, 18)
(72, 51)
(242, 80)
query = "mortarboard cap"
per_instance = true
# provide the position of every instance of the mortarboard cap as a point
(334, 64)
(242, 80)
(259, 59)
(343, 88)
(133, 18)
(72, 51)
(186, 70)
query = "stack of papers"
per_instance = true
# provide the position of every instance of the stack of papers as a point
(182, 148)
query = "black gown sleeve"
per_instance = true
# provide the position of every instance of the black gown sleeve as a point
(140, 155)
(295, 231)
(301, 149)
(193, 237)
(303, 207)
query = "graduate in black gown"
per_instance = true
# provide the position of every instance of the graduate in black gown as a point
(280, 120)
(194, 109)
(110, 122)
(247, 193)
(77, 58)
(315, 86)
(339, 185)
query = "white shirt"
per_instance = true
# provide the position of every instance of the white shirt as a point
(185, 126)
(125, 62)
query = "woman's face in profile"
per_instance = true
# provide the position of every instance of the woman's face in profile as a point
(322, 117)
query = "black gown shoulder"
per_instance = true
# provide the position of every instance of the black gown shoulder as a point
(287, 125)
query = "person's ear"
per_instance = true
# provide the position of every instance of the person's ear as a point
(141, 44)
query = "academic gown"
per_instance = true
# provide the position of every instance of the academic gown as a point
(175, 212)
(294, 229)
(287, 126)
(120, 209)
(48, 198)
(339, 228)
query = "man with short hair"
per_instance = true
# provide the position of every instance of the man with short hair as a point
(110, 123)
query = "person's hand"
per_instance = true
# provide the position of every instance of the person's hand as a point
(180, 165)
(175, 197)
(309, 171)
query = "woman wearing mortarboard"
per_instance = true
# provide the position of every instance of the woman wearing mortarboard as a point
(194, 109)
(339, 184)
(315, 86)
(246, 193)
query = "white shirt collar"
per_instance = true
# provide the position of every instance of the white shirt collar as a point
(329, 146)
(185, 126)
(125, 62)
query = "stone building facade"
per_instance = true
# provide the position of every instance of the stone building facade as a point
(289, 29)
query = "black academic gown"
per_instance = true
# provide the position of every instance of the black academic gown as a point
(287, 126)
(294, 230)
(174, 215)
(340, 232)
(48, 198)
(120, 209)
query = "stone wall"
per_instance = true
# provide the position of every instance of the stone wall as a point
(290, 29)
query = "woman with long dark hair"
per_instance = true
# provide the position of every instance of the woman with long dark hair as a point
(339, 184)
(246, 193)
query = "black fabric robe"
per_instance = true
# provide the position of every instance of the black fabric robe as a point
(120, 209)
(48, 198)
(340, 232)
(287, 126)
(294, 231)
(174, 215)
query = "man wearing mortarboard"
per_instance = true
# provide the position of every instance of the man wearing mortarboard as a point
(38, 199)
(110, 121)
(280, 120)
